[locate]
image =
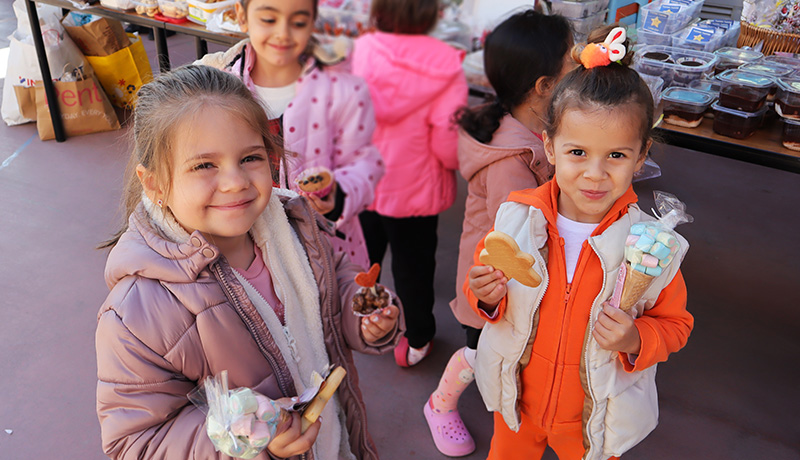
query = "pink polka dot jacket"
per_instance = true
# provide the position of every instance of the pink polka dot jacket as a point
(329, 123)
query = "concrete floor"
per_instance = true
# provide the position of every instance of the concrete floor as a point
(730, 394)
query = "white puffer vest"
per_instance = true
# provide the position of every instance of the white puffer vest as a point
(624, 407)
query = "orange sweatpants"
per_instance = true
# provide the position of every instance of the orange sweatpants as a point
(530, 442)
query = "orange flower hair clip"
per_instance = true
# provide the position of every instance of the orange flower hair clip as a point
(602, 54)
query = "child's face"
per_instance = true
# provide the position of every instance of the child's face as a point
(221, 176)
(595, 153)
(279, 30)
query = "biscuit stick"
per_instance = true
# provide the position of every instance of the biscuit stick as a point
(314, 409)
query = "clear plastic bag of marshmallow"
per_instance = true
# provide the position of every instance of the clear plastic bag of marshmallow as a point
(651, 246)
(240, 422)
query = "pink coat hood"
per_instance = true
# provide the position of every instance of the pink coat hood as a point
(405, 72)
(416, 84)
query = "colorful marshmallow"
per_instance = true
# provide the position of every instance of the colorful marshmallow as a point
(649, 249)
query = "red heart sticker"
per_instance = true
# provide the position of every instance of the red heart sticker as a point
(369, 278)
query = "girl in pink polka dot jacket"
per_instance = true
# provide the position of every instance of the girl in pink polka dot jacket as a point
(324, 115)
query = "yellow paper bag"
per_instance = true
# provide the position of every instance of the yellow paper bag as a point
(123, 73)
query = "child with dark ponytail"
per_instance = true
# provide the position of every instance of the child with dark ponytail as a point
(499, 150)
(557, 363)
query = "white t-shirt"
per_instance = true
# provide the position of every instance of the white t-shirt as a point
(277, 99)
(574, 234)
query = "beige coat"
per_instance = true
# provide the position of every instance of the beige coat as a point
(513, 160)
(176, 314)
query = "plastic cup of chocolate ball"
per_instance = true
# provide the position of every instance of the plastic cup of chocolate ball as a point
(370, 300)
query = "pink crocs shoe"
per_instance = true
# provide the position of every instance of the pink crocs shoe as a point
(449, 433)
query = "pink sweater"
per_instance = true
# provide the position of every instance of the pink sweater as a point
(416, 83)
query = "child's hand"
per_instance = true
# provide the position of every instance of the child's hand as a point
(376, 326)
(615, 331)
(291, 442)
(322, 205)
(488, 285)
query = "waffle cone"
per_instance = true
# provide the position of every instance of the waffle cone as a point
(633, 289)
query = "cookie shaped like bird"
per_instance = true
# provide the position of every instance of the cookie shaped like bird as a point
(602, 54)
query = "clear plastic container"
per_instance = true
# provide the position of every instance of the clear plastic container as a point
(790, 138)
(200, 11)
(709, 85)
(175, 9)
(787, 101)
(685, 106)
(647, 37)
(743, 91)
(122, 5)
(656, 85)
(735, 123)
(146, 7)
(577, 9)
(665, 17)
(582, 26)
(732, 58)
(788, 61)
(770, 69)
(677, 66)
(704, 36)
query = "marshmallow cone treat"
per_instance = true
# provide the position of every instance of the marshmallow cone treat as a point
(649, 249)
(633, 287)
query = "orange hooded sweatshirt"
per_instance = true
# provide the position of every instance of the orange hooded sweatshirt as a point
(552, 392)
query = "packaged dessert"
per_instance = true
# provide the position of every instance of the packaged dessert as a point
(685, 106)
(240, 422)
(667, 16)
(735, 123)
(788, 61)
(790, 138)
(174, 9)
(677, 66)
(577, 9)
(582, 26)
(146, 7)
(787, 101)
(371, 297)
(650, 248)
(743, 91)
(732, 58)
(709, 85)
(201, 10)
(770, 69)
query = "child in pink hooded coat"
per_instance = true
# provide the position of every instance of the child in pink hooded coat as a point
(416, 83)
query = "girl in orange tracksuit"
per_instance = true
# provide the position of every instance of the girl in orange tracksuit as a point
(556, 363)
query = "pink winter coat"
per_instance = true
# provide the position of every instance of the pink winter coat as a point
(329, 123)
(513, 160)
(177, 314)
(416, 83)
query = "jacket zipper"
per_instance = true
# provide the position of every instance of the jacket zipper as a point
(329, 318)
(282, 384)
(537, 303)
(586, 349)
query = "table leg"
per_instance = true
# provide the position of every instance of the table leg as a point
(161, 48)
(201, 46)
(47, 79)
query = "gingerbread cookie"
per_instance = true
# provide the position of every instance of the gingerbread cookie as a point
(503, 253)
(316, 181)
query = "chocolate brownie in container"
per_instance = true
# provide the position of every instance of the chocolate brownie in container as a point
(685, 106)
(735, 123)
(743, 91)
